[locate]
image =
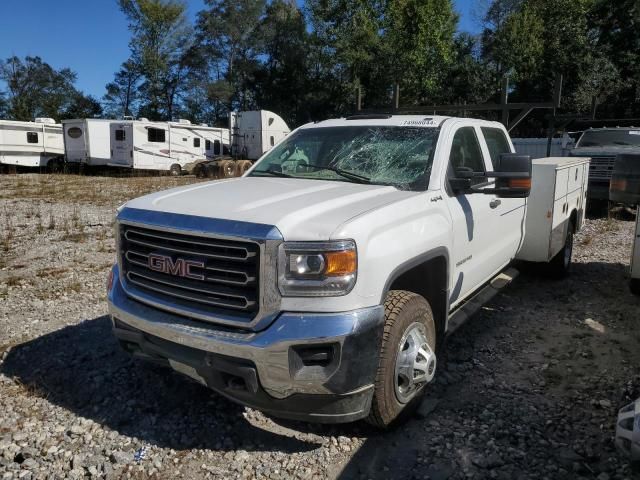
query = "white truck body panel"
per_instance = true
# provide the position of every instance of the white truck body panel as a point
(87, 141)
(255, 132)
(30, 144)
(159, 145)
(558, 188)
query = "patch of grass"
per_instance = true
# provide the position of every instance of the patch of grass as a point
(74, 285)
(586, 240)
(52, 222)
(51, 272)
(12, 281)
(75, 237)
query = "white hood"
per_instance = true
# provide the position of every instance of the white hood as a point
(301, 209)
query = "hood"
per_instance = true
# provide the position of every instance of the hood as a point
(301, 209)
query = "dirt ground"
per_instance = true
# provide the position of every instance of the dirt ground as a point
(529, 388)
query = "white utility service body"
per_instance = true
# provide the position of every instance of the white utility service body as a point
(30, 144)
(145, 145)
(274, 288)
(87, 141)
(255, 132)
(558, 188)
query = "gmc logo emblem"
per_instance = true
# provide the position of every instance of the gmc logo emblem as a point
(178, 267)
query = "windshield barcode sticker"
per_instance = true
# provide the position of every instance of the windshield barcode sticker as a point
(634, 132)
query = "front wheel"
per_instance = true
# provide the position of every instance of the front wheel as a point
(407, 358)
(175, 170)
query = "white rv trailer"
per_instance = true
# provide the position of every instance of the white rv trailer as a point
(255, 132)
(145, 145)
(31, 144)
(87, 141)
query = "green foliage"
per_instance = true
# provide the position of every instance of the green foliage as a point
(35, 89)
(161, 43)
(420, 38)
(123, 96)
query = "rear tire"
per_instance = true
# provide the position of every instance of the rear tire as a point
(227, 169)
(634, 286)
(200, 170)
(409, 327)
(175, 170)
(242, 166)
(560, 265)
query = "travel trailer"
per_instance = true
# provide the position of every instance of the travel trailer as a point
(32, 144)
(142, 144)
(255, 132)
(87, 141)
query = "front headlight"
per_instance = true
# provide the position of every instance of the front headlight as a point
(317, 269)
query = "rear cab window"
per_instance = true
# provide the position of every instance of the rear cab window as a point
(497, 143)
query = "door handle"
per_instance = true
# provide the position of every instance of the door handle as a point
(495, 203)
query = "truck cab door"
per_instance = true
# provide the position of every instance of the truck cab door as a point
(474, 217)
(508, 217)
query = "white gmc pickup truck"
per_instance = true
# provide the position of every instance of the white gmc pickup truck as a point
(322, 284)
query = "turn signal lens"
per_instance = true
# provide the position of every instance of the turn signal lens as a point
(341, 263)
(520, 183)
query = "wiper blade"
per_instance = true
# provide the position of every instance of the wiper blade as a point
(275, 173)
(343, 173)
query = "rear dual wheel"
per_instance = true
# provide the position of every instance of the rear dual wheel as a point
(407, 358)
(242, 166)
(227, 169)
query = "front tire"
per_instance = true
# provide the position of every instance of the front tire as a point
(175, 170)
(407, 358)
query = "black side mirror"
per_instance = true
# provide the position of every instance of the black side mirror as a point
(513, 177)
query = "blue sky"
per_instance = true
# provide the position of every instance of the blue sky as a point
(91, 36)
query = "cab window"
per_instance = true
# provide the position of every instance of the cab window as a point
(466, 154)
(496, 143)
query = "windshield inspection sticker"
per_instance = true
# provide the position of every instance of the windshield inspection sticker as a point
(634, 132)
(423, 122)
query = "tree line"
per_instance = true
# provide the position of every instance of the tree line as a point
(305, 63)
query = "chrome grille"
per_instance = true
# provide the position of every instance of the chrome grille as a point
(601, 168)
(227, 271)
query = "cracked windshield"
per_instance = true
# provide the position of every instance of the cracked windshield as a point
(397, 156)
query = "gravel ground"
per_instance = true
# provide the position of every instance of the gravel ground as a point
(529, 389)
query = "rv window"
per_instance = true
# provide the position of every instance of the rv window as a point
(156, 135)
(216, 147)
(196, 142)
(207, 145)
(225, 150)
(32, 137)
(120, 135)
(272, 140)
(74, 132)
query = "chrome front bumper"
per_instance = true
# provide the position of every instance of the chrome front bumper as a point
(275, 353)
